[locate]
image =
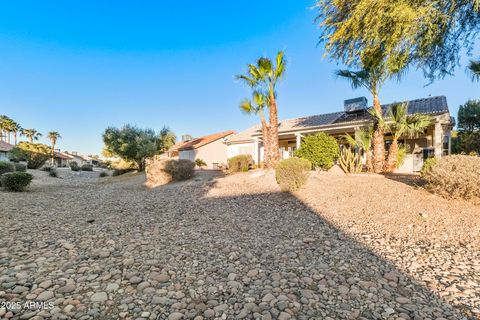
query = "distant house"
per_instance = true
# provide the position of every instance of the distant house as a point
(79, 159)
(5, 149)
(434, 142)
(211, 149)
(62, 159)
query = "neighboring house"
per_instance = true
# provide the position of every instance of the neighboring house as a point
(211, 149)
(434, 142)
(62, 159)
(79, 159)
(5, 149)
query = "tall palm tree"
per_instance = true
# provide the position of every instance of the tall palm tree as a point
(53, 136)
(400, 123)
(263, 77)
(474, 67)
(257, 106)
(363, 141)
(8, 128)
(31, 134)
(3, 135)
(16, 129)
(371, 77)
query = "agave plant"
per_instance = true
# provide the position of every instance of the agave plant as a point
(363, 141)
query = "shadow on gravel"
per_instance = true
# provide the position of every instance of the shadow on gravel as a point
(318, 269)
(408, 179)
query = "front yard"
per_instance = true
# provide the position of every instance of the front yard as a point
(235, 247)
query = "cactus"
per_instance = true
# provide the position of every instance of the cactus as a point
(350, 161)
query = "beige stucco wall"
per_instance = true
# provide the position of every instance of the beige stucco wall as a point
(214, 152)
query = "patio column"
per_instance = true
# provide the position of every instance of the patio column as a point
(298, 136)
(255, 150)
(437, 139)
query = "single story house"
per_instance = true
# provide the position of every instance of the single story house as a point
(211, 149)
(5, 149)
(79, 159)
(62, 159)
(434, 142)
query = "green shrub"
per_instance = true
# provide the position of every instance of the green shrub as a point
(6, 166)
(428, 164)
(103, 174)
(200, 163)
(455, 176)
(74, 166)
(292, 173)
(16, 181)
(53, 172)
(180, 169)
(320, 149)
(240, 163)
(87, 167)
(35, 154)
(20, 167)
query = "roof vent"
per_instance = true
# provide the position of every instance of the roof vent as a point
(355, 105)
(186, 138)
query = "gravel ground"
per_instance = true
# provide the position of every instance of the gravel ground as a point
(234, 247)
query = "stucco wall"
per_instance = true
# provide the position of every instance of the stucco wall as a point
(214, 152)
(240, 148)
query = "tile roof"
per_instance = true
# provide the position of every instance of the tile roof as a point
(199, 142)
(431, 105)
(5, 147)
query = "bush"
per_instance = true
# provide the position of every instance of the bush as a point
(16, 181)
(103, 174)
(200, 163)
(6, 166)
(292, 173)
(19, 167)
(320, 149)
(240, 163)
(74, 166)
(180, 169)
(35, 154)
(53, 172)
(428, 164)
(87, 167)
(453, 176)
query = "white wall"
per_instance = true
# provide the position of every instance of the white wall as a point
(214, 152)
(4, 156)
(187, 155)
(240, 148)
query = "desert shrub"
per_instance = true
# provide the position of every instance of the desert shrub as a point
(428, 164)
(119, 172)
(6, 166)
(200, 163)
(103, 174)
(320, 149)
(74, 166)
(87, 167)
(16, 181)
(180, 169)
(292, 173)
(20, 167)
(454, 176)
(240, 163)
(53, 172)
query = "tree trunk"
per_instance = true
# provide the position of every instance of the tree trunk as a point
(8, 137)
(53, 153)
(266, 141)
(15, 138)
(378, 143)
(274, 152)
(392, 157)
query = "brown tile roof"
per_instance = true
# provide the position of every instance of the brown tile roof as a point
(199, 142)
(62, 155)
(5, 147)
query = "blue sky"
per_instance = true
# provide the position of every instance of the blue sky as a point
(80, 66)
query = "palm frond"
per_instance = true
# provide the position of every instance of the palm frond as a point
(350, 140)
(357, 79)
(281, 64)
(249, 81)
(247, 107)
(474, 67)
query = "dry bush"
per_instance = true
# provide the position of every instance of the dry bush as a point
(163, 171)
(240, 163)
(455, 176)
(292, 173)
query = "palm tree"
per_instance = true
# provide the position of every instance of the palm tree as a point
(53, 136)
(31, 134)
(474, 67)
(400, 123)
(8, 127)
(263, 78)
(16, 129)
(3, 118)
(257, 106)
(363, 141)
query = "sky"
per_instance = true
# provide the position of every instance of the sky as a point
(80, 66)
